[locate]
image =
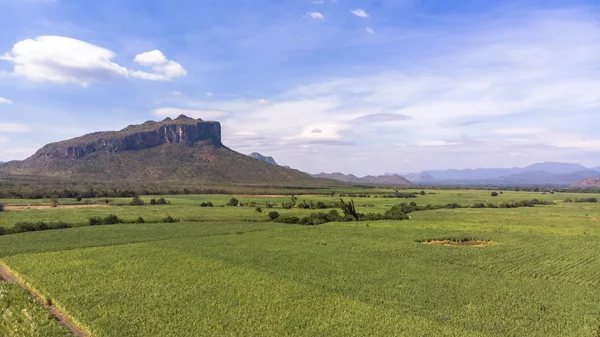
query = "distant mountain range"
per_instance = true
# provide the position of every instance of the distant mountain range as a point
(393, 179)
(549, 173)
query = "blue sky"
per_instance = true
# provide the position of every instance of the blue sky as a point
(363, 87)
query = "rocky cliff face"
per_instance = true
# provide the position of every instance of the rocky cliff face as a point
(184, 131)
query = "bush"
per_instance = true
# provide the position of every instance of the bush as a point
(2, 231)
(22, 227)
(315, 219)
(206, 204)
(587, 200)
(273, 215)
(162, 201)
(1, 207)
(140, 220)
(79, 198)
(136, 201)
(152, 201)
(288, 219)
(107, 220)
(422, 193)
(258, 209)
(233, 202)
(494, 194)
(169, 219)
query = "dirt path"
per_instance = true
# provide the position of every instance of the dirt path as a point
(24, 208)
(6, 275)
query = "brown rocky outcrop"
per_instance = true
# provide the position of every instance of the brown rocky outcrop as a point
(183, 130)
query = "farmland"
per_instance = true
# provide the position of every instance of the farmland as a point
(229, 271)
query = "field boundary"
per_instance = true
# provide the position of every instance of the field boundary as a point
(58, 313)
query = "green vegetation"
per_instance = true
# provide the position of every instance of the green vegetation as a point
(234, 271)
(21, 315)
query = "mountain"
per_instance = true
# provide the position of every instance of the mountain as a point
(548, 173)
(375, 180)
(181, 150)
(420, 178)
(588, 183)
(266, 159)
(350, 178)
(555, 168)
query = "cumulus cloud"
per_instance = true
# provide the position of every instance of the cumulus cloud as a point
(61, 60)
(360, 13)
(163, 69)
(5, 100)
(315, 15)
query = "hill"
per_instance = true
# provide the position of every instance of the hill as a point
(588, 183)
(393, 179)
(181, 150)
(266, 159)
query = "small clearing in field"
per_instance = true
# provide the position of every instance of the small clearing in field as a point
(24, 208)
(468, 243)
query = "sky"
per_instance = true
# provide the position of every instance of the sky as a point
(353, 86)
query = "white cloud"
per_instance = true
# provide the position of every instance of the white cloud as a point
(370, 30)
(315, 15)
(517, 132)
(58, 59)
(164, 69)
(175, 112)
(176, 93)
(13, 127)
(360, 13)
(5, 100)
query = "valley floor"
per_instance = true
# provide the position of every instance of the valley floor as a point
(236, 277)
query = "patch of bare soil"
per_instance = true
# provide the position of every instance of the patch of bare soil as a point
(62, 319)
(592, 217)
(24, 208)
(468, 243)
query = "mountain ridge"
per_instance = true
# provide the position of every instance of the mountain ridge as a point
(179, 150)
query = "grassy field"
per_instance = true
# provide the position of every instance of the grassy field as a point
(237, 278)
(22, 316)
(187, 207)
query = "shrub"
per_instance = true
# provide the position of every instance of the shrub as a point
(288, 220)
(169, 219)
(79, 198)
(206, 204)
(413, 204)
(397, 212)
(494, 194)
(268, 204)
(315, 219)
(587, 200)
(136, 201)
(333, 215)
(140, 220)
(422, 193)
(162, 201)
(258, 209)
(251, 204)
(233, 202)
(110, 220)
(1, 207)
(152, 201)
(273, 215)
(2, 231)
(95, 221)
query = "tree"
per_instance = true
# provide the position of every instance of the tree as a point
(136, 201)
(349, 209)
(494, 194)
(233, 202)
(422, 193)
(273, 215)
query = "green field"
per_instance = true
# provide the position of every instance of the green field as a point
(21, 315)
(232, 273)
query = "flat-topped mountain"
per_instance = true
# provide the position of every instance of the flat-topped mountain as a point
(182, 150)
